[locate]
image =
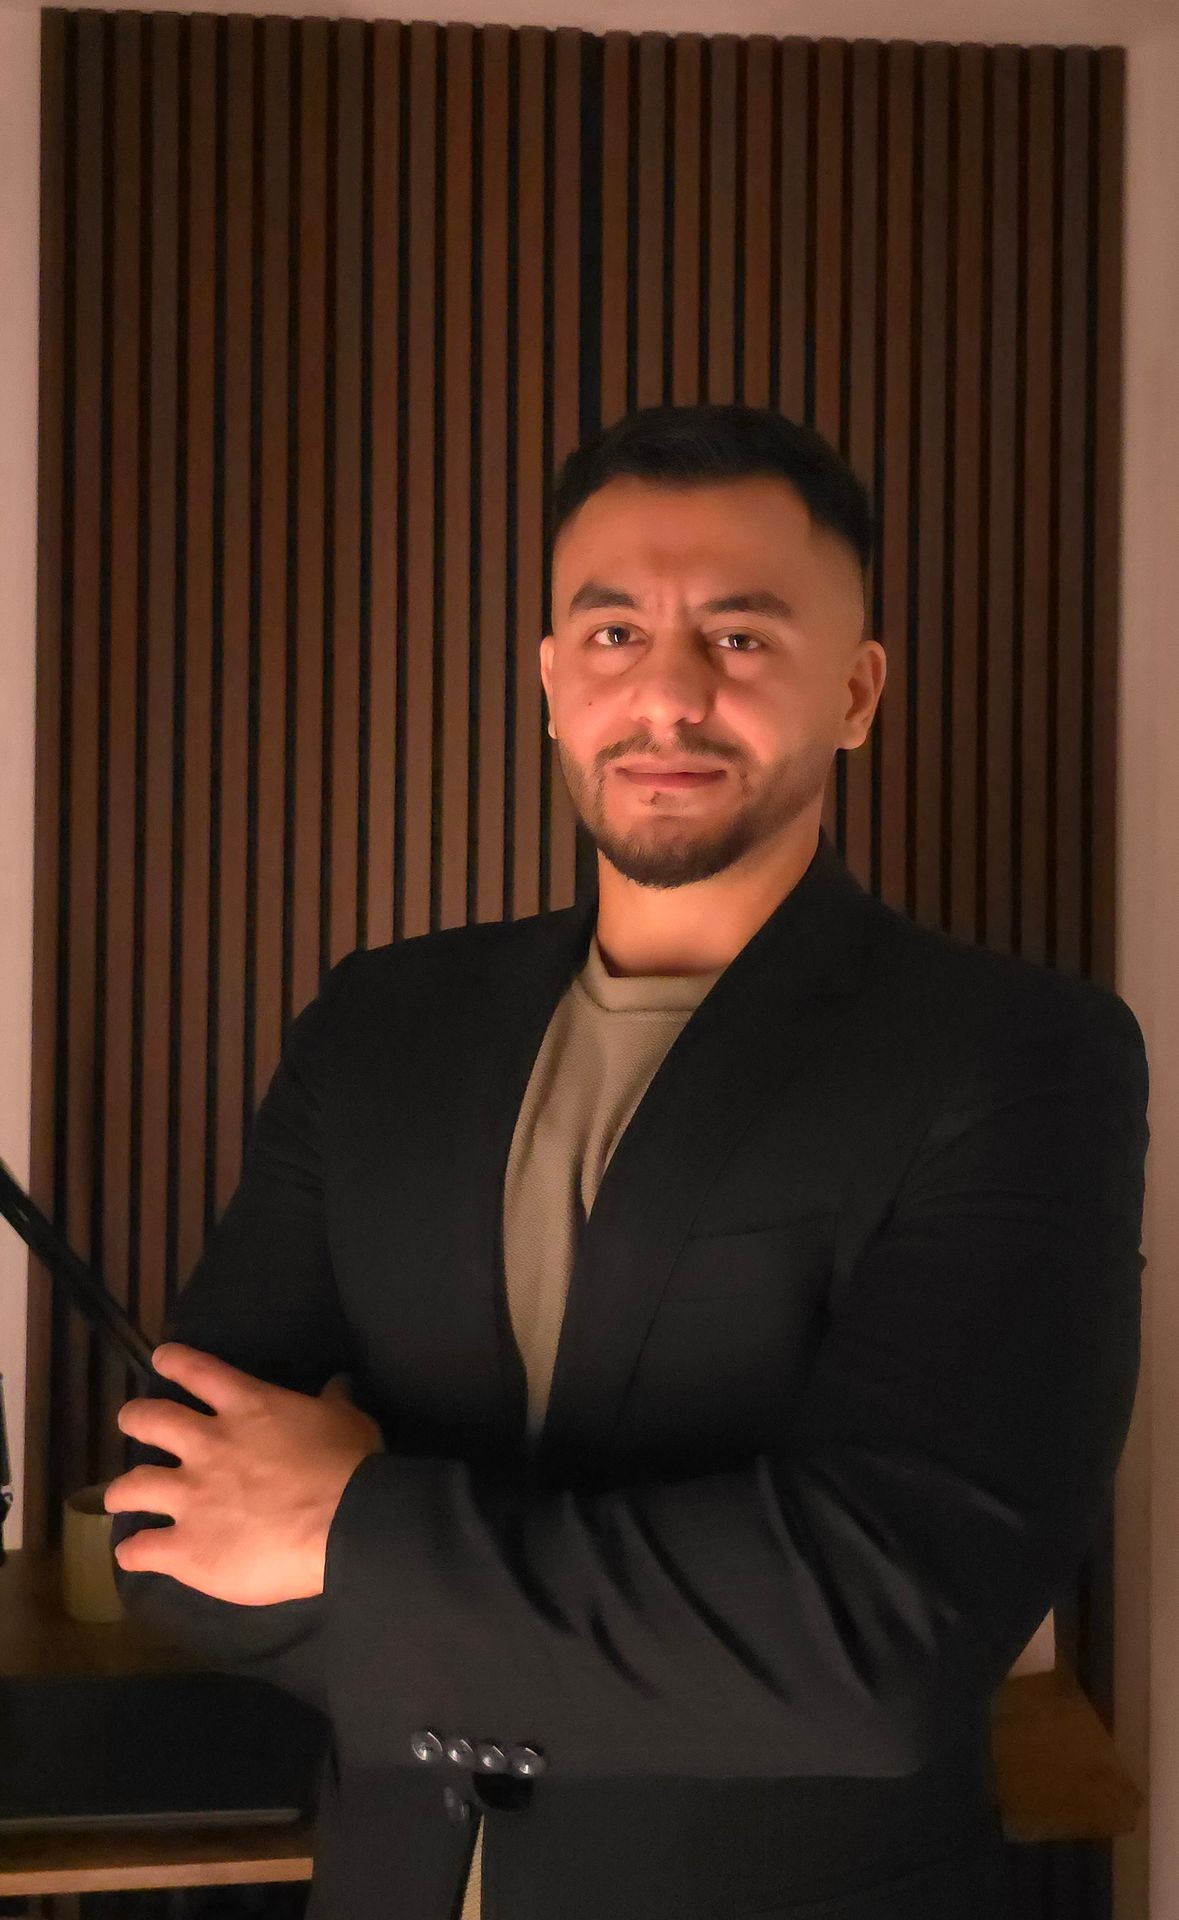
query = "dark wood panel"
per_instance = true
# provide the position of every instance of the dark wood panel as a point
(271, 624)
(1107, 132)
(863, 331)
(492, 582)
(345, 506)
(1005, 275)
(81, 720)
(53, 506)
(966, 428)
(231, 691)
(895, 508)
(158, 642)
(305, 684)
(382, 752)
(528, 481)
(457, 504)
(688, 53)
(564, 388)
(119, 716)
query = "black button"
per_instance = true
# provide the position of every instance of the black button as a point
(502, 1791)
(491, 1757)
(526, 1762)
(426, 1745)
(458, 1809)
(460, 1751)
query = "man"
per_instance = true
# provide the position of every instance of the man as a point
(741, 1282)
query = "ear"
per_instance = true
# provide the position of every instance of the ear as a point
(547, 649)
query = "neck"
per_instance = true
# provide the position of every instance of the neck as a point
(693, 929)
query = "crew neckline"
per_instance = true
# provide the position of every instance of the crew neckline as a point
(641, 992)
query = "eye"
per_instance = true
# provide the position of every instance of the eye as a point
(735, 635)
(742, 636)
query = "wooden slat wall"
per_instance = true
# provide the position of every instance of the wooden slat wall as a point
(325, 304)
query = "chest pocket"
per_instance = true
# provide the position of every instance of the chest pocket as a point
(742, 1313)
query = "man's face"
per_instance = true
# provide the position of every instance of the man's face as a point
(638, 667)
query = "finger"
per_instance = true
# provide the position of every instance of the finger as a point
(224, 1388)
(144, 1490)
(162, 1423)
(339, 1387)
(151, 1550)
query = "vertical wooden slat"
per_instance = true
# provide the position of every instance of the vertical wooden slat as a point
(1033, 874)
(157, 1107)
(1002, 464)
(688, 54)
(1067, 685)
(418, 696)
(306, 805)
(121, 717)
(860, 426)
(827, 313)
(384, 506)
(794, 195)
(54, 424)
(757, 187)
(199, 286)
(343, 777)
(896, 505)
(454, 796)
(616, 164)
(565, 364)
(83, 667)
(652, 187)
(530, 475)
(928, 603)
(967, 435)
(722, 237)
(1106, 404)
(274, 502)
(493, 478)
(233, 696)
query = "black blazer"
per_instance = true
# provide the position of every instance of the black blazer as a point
(848, 1360)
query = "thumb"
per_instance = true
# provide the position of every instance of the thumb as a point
(339, 1387)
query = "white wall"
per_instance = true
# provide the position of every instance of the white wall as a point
(1146, 1725)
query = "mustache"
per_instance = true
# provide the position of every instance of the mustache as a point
(698, 751)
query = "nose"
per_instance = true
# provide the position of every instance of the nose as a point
(670, 686)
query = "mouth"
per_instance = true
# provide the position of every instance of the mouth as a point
(673, 777)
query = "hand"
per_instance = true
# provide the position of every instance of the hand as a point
(257, 1485)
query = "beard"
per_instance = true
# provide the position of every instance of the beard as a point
(667, 846)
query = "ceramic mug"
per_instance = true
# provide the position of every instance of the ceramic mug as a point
(87, 1565)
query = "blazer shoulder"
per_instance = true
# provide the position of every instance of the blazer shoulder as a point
(982, 988)
(436, 956)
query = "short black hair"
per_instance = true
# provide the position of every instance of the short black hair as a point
(679, 445)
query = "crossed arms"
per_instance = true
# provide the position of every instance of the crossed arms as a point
(833, 1607)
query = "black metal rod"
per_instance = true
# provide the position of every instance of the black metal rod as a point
(85, 1288)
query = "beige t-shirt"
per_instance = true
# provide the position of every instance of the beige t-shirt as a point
(600, 1052)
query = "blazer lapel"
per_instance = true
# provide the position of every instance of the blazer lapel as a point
(773, 1007)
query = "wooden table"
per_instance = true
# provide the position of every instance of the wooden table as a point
(37, 1636)
(1057, 1773)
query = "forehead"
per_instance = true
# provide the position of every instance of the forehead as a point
(750, 533)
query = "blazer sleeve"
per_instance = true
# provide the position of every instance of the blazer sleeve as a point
(836, 1606)
(262, 1296)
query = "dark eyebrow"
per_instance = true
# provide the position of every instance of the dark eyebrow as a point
(594, 595)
